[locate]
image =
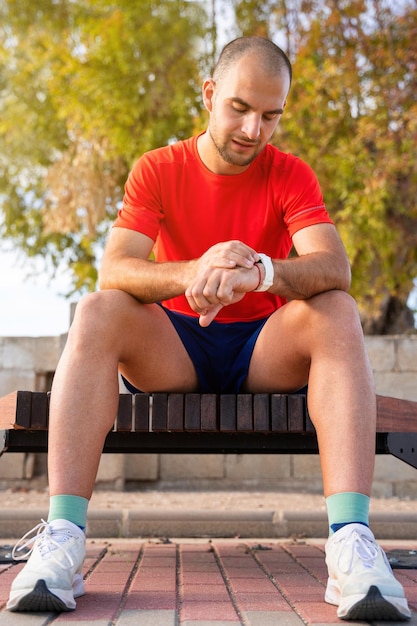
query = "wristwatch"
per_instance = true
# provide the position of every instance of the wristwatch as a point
(269, 272)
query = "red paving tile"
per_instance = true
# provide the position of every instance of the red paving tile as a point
(187, 582)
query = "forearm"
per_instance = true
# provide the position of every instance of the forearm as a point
(146, 280)
(126, 266)
(303, 277)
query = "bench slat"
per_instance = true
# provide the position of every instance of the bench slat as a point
(261, 417)
(209, 412)
(396, 415)
(123, 421)
(296, 407)
(160, 412)
(39, 410)
(279, 421)
(176, 412)
(24, 409)
(192, 412)
(141, 413)
(228, 421)
(244, 413)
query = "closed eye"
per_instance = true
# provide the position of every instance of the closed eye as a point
(239, 106)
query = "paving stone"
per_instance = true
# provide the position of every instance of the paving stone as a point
(266, 618)
(147, 618)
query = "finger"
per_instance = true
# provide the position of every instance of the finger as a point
(230, 254)
(201, 296)
(208, 316)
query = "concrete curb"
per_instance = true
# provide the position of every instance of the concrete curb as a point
(200, 523)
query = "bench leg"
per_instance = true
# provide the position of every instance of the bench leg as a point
(404, 447)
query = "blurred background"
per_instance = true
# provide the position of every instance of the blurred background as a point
(87, 86)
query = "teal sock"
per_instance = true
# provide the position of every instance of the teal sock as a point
(71, 508)
(347, 508)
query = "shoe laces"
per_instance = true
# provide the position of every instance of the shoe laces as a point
(359, 546)
(49, 541)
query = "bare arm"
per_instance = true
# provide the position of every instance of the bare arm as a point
(321, 265)
(126, 266)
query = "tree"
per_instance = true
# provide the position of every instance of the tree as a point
(352, 115)
(85, 87)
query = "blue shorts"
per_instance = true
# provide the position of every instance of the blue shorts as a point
(221, 353)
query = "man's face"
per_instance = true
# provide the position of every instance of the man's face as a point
(245, 108)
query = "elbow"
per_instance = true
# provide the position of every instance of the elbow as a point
(345, 278)
(104, 279)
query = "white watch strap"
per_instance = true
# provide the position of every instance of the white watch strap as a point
(269, 272)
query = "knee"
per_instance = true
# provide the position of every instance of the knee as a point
(341, 305)
(339, 312)
(337, 302)
(99, 312)
(331, 311)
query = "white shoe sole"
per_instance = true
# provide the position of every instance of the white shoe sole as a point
(42, 599)
(373, 606)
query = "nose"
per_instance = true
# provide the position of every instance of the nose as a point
(252, 125)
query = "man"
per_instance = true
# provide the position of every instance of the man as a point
(215, 210)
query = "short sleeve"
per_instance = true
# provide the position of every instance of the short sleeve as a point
(142, 208)
(303, 203)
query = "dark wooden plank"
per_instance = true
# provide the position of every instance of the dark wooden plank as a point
(296, 412)
(176, 412)
(39, 410)
(279, 415)
(396, 415)
(141, 413)
(209, 412)
(23, 409)
(244, 412)
(228, 421)
(309, 424)
(261, 421)
(192, 412)
(160, 412)
(124, 413)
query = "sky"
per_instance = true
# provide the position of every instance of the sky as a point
(30, 307)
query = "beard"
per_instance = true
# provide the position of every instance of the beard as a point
(230, 155)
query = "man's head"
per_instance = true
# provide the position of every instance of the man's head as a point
(269, 56)
(245, 98)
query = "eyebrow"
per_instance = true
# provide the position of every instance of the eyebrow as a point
(245, 104)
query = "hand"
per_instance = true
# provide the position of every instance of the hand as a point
(226, 255)
(214, 288)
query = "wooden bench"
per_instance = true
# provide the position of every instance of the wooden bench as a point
(207, 423)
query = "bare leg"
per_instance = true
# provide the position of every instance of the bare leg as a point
(110, 329)
(320, 341)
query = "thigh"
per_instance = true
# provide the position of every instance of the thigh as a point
(280, 360)
(324, 329)
(139, 337)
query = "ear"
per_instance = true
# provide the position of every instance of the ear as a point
(208, 93)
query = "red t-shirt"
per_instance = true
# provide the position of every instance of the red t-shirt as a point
(171, 197)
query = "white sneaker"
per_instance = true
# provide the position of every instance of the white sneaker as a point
(52, 577)
(361, 582)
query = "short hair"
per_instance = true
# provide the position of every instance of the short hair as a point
(270, 55)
